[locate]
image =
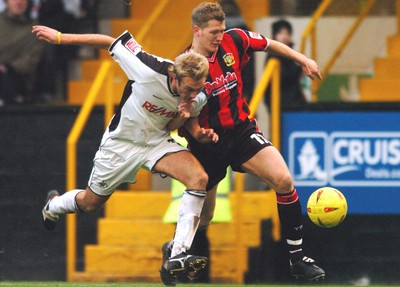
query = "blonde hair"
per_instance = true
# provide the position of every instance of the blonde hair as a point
(192, 65)
(205, 12)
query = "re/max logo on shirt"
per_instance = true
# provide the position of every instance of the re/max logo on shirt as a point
(162, 111)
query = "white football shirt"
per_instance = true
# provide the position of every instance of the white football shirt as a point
(147, 103)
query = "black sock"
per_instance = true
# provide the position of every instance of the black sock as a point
(201, 247)
(289, 210)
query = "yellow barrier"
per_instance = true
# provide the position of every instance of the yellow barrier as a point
(364, 12)
(271, 75)
(310, 28)
(104, 76)
(310, 31)
(150, 20)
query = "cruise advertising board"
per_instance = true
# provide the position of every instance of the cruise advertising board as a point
(357, 152)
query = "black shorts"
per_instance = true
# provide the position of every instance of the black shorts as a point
(234, 148)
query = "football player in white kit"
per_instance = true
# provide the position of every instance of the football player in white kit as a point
(160, 96)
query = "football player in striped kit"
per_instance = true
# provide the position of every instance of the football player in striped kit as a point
(241, 145)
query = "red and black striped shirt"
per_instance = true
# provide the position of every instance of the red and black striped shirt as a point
(225, 106)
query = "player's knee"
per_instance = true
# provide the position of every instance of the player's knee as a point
(200, 179)
(284, 184)
(203, 179)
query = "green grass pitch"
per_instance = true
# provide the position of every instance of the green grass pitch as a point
(76, 284)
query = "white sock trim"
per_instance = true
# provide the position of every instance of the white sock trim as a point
(294, 242)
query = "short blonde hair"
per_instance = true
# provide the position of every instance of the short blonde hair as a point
(205, 12)
(192, 65)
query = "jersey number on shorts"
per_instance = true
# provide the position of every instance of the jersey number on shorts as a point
(259, 138)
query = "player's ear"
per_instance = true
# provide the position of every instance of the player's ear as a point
(196, 29)
(174, 78)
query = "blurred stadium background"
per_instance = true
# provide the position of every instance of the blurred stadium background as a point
(352, 119)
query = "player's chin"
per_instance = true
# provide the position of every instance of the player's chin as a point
(214, 48)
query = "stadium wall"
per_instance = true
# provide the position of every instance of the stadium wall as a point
(32, 162)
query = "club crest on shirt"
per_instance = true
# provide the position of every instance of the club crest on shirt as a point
(255, 35)
(229, 59)
(133, 46)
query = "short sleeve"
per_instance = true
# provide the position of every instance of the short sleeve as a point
(136, 63)
(198, 104)
(249, 40)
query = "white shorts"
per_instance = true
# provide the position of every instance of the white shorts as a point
(118, 162)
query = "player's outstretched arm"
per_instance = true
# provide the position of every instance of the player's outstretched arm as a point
(53, 36)
(201, 134)
(309, 66)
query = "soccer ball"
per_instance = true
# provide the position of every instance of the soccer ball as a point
(327, 207)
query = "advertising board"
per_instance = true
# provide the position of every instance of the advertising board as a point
(357, 152)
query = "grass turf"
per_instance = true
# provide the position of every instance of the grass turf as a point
(81, 284)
